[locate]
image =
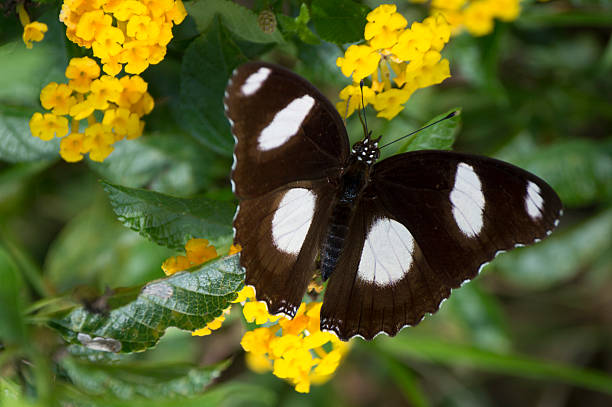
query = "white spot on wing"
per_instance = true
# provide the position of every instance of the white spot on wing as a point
(254, 81)
(286, 123)
(387, 253)
(533, 201)
(292, 220)
(467, 200)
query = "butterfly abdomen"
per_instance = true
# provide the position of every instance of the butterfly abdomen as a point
(352, 184)
(334, 239)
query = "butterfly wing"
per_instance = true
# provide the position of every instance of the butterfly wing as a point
(427, 222)
(289, 141)
(285, 130)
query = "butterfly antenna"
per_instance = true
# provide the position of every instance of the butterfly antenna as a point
(448, 116)
(365, 119)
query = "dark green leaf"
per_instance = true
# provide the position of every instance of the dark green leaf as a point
(173, 164)
(129, 380)
(238, 19)
(434, 350)
(12, 329)
(207, 65)
(561, 256)
(116, 256)
(137, 317)
(299, 26)
(170, 221)
(339, 21)
(16, 141)
(437, 137)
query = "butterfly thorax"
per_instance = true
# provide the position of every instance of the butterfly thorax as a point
(353, 181)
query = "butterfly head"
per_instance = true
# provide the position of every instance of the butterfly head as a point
(366, 150)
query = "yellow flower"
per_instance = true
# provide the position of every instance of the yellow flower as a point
(104, 90)
(175, 264)
(123, 122)
(92, 23)
(257, 362)
(57, 98)
(133, 89)
(71, 147)
(383, 26)
(359, 61)
(107, 43)
(257, 341)
(199, 251)
(413, 42)
(390, 102)
(34, 31)
(212, 325)
(144, 105)
(47, 126)
(478, 18)
(257, 312)
(126, 9)
(178, 12)
(247, 293)
(351, 99)
(98, 141)
(81, 71)
(135, 55)
(143, 28)
(82, 109)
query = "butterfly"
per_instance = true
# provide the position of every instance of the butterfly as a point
(391, 238)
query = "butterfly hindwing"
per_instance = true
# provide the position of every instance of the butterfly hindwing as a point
(285, 130)
(426, 223)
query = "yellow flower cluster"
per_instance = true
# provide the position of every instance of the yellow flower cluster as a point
(32, 31)
(476, 16)
(294, 349)
(123, 32)
(122, 102)
(400, 60)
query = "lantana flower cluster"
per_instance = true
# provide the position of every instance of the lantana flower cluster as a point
(400, 60)
(123, 32)
(476, 16)
(293, 349)
(120, 103)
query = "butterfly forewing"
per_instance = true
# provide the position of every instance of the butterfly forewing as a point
(289, 142)
(426, 223)
(285, 130)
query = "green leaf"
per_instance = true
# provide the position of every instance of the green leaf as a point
(580, 171)
(339, 21)
(559, 257)
(238, 19)
(137, 317)
(16, 141)
(116, 256)
(433, 350)
(170, 221)
(437, 137)
(130, 380)
(12, 329)
(174, 164)
(229, 394)
(15, 180)
(480, 316)
(207, 65)
(299, 26)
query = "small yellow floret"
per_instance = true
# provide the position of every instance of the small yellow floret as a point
(34, 31)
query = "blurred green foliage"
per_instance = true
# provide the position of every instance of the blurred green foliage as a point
(533, 329)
